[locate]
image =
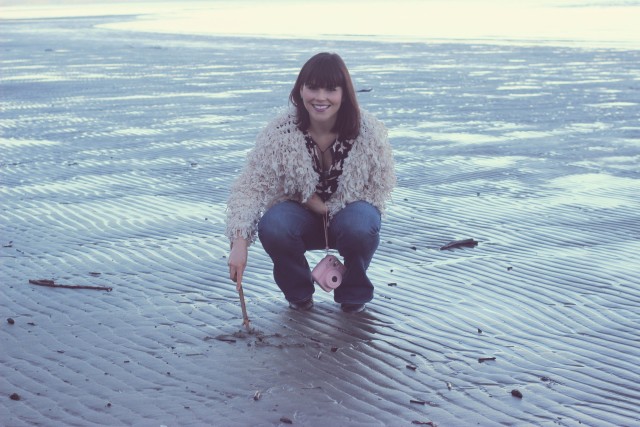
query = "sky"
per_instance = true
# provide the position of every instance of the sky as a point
(548, 21)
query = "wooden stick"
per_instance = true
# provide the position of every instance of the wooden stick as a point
(52, 284)
(245, 317)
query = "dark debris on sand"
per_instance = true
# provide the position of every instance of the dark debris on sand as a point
(457, 244)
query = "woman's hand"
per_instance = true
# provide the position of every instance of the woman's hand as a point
(316, 205)
(238, 260)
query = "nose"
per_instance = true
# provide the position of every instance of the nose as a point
(321, 94)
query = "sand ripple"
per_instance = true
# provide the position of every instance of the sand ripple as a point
(115, 173)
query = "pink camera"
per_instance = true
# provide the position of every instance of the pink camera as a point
(328, 273)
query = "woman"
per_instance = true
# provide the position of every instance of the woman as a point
(322, 158)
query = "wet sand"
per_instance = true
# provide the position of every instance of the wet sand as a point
(118, 150)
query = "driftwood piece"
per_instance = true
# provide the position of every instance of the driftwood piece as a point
(52, 284)
(226, 338)
(466, 243)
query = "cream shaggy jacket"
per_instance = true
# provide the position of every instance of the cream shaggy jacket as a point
(280, 168)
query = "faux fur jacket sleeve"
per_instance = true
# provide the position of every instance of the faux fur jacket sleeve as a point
(280, 168)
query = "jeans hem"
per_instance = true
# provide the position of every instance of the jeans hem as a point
(300, 300)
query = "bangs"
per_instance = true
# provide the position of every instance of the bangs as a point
(326, 74)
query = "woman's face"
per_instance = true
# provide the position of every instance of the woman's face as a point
(322, 104)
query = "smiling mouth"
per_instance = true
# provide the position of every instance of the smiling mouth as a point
(320, 108)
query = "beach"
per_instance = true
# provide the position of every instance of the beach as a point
(118, 151)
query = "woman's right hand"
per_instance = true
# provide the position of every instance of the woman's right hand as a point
(238, 260)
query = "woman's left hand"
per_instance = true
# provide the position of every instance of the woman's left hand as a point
(316, 205)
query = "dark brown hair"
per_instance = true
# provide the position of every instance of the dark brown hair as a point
(328, 70)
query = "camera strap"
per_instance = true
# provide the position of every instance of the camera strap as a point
(325, 222)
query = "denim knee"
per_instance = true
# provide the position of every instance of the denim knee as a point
(272, 227)
(282, 226)
(358, 223)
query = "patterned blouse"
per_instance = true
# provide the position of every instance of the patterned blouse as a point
(328, 180)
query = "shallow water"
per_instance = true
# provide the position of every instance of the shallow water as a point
(118, 150)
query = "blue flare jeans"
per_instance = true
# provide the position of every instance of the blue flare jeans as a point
(287, 230)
